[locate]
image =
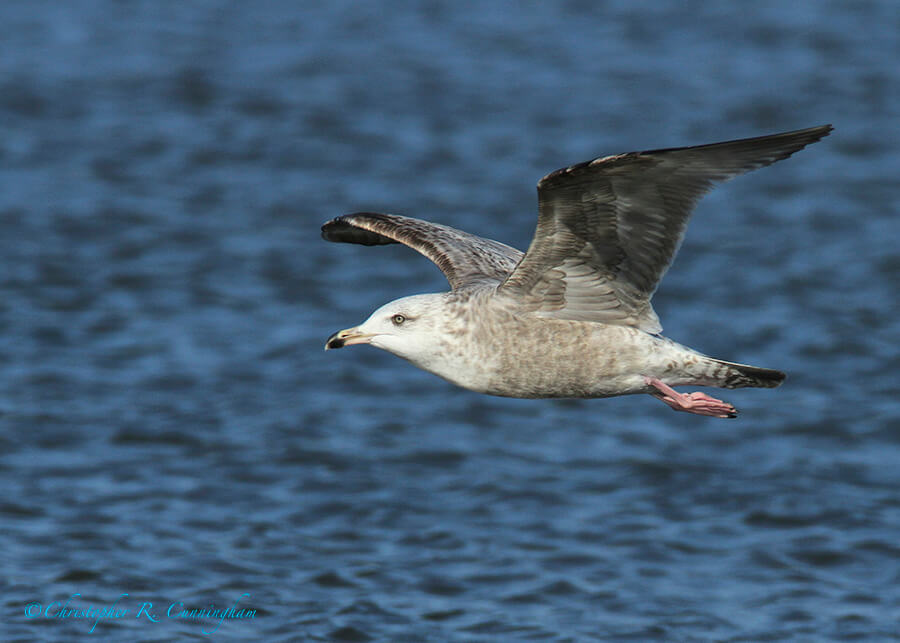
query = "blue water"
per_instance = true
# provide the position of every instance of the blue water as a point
(172, 429)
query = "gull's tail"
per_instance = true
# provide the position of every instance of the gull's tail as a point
(733, 375)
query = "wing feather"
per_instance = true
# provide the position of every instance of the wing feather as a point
(465, 259)
(608, 229)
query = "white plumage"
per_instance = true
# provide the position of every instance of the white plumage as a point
(571, 317)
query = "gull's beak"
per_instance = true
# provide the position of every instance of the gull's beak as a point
(347, 337)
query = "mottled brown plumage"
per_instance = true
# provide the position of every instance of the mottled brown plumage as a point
(572, 316)
(464, 259)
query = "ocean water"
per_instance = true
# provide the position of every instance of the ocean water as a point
(175, 442)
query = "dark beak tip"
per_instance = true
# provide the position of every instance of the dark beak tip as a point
(334, 341)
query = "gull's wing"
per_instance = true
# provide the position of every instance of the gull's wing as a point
(609, 228)
(463, 258)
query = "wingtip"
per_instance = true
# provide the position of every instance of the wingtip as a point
(356, 227)
(332, 228)
(328, 228)
(820, 131)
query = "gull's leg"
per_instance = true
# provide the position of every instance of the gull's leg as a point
(699, 403)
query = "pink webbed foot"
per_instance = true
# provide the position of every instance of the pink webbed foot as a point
(699, 403)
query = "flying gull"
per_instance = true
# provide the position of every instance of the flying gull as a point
(572, 316)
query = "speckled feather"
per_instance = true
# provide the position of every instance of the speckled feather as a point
(609, 228)
(465, 259)
(572, 316)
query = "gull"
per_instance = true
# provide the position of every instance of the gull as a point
(571, 317)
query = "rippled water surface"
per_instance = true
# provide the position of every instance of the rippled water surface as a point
(173, 431)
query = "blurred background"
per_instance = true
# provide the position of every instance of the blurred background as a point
(173, 430)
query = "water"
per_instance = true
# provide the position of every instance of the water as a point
(173, 431)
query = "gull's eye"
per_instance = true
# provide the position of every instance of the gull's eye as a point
(398, 319)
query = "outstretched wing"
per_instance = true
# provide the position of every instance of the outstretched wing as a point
(609, 228)
(464, 258)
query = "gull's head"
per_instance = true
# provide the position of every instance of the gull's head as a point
(405, 327)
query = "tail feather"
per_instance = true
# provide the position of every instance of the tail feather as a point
(743, 375)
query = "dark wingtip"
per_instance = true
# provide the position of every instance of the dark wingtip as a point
(815, 133)
(326, 228)
(331, 230)
(341, 230)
